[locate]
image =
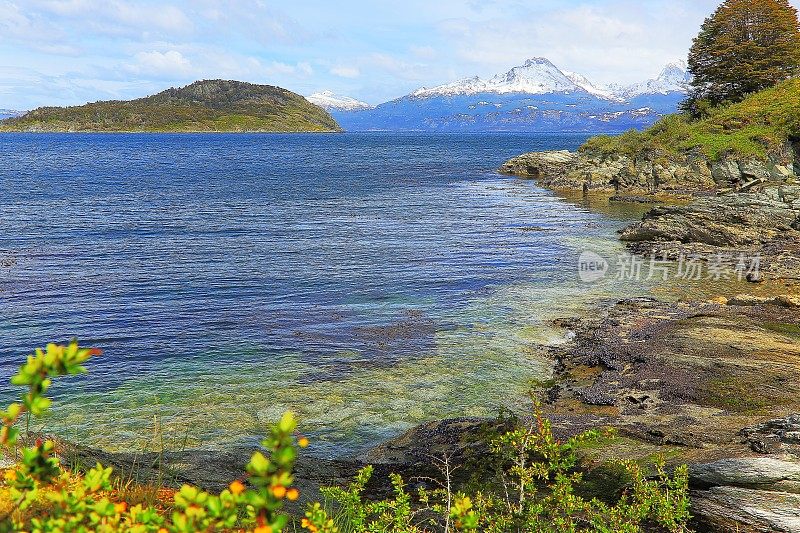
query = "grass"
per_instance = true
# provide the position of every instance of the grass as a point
(756, 127)
(790, 330)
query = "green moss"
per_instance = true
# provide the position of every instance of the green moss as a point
(790, 330)
(737, 395)
(754, 127)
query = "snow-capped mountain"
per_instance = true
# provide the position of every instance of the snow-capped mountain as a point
(535, 76)
(329, 101)
(674, 78)
(583, 82)
(535, 96)
(540, 76)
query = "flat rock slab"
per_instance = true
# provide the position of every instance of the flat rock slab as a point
(754, 472)
(746, 510)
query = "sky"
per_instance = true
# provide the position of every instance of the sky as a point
(67, 52)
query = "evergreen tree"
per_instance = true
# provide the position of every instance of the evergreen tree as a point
(744, 47)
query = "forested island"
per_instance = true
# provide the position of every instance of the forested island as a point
(203, 106)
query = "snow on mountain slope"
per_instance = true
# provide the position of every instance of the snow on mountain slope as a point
(536, 76)
(540, 76)
(8, 113)
(674, 78)
(329, 101)
(583, 82)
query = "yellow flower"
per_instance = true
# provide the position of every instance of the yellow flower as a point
(263, 529)
(292, 494)
(302, 442)
(236, 488)
(120, 508)
(10, 476)
(279, 491)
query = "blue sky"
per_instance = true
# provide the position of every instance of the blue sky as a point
(61, 52)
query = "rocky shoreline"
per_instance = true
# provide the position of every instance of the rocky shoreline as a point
(713, 384)
(689, 173)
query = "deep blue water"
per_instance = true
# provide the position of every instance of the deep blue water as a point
(361, 279)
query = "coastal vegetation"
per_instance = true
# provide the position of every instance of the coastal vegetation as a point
(203, 106)
(745, 98)
(532, 484)
(764, 122)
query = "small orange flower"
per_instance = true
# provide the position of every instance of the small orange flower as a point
(10, 476)
(279, 491)
(292, 494)
(263, 529)
(302, 442)
(236, 488)
(163, 530)
(304, 522)
(120, 508)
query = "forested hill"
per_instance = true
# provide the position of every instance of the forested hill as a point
(208, 105)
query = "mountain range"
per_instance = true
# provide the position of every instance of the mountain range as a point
(535, 96)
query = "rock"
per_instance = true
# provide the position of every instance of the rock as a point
(783, 300)
(731, 220)
(750, 494)
(745, 510)
(781, 172)
(755, 171)
(779, 435)
(538, 165)
(752, 472)
(726, 171)
(748, 299)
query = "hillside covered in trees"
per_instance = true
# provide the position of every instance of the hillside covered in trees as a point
(208, 105)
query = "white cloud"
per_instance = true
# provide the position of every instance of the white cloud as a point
(345, 71)
(423, 52)
(298, 69)
(170, 63)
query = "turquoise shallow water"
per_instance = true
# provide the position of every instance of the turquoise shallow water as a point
(367, 281)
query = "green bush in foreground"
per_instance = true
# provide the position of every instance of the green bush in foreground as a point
(534, 489)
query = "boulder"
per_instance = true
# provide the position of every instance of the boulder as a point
(726, 172)
(541, 164)
(745, 510)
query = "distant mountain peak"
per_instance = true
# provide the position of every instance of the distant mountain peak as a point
(330, 101)
(673, 78)
(10, 113)
(538, 61)
(537, 75)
